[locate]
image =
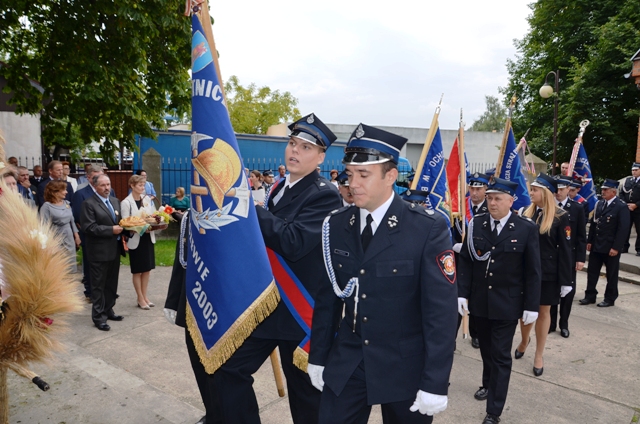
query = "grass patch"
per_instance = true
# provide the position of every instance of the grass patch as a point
(165, 254)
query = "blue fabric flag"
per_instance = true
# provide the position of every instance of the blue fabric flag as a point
(582, 170)
(230, 287)
(433, 177)
(512, 170)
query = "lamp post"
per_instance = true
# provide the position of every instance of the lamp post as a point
(547, 91)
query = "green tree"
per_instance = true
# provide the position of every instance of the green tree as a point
(590, 45)
(493, 118)
(254, 109)
(110, 68)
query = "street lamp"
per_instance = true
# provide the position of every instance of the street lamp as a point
(547, 91)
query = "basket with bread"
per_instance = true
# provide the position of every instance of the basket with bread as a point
(135, 223)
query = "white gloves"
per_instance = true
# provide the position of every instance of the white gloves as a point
(565, 290)
(170, 315)
(315, 374)
(529, 317)
(428, 403)
(462, 306)
(457, 247)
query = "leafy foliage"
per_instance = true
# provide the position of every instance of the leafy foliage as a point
(254, 109)
(493, 118)
(110, 68)
(590, 44)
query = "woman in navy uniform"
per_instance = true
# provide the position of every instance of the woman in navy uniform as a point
(291, 228)
(393, 271)
(555, 258)
(499, 282)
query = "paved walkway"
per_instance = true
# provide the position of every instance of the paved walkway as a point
(139, 372)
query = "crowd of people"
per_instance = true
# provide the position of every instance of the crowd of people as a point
(388, 279)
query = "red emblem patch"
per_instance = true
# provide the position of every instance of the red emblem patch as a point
(567, 232)
(447, 265)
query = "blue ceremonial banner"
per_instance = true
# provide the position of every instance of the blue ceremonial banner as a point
(582, 170)
(512, 170)
(230, 287)
(433, 177)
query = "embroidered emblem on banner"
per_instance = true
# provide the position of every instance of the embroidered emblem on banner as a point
(447, 265)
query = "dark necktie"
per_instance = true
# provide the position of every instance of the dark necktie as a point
(367, 233)
(495, 228)
(475, 210)
(560, 204)
(113, 214)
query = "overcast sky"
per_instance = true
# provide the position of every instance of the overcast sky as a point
(381, 63)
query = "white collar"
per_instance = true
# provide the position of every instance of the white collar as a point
(288, 183)
(377, 215)
(503, 221)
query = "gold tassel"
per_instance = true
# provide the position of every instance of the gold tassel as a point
(300, 358)
(213, 358)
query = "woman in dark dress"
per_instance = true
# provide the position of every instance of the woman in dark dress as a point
(555, 255)
(141, 250)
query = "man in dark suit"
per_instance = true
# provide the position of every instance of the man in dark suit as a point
(76, 206)
(630, 193)
(392, 268)
(55, 173)
(578, 253)
(28, 191)
(99, 219)
(291, 228)
(499, 282)
(608, 231)
(477, 204)
(36, 179)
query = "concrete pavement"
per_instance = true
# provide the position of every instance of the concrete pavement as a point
(139, 371)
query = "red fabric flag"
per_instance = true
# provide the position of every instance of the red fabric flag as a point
(453, 176)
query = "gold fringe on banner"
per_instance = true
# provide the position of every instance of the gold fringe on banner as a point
(213, 358)
(300, 358)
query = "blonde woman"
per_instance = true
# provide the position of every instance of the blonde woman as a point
(555, 257)
(141, 250)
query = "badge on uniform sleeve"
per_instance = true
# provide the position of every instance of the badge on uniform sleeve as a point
(447, 265)
(567, 232)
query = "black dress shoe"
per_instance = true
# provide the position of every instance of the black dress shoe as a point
(637, 253)
(552, 330)
(103, 326)
(115, 317)
(202, 420)
(491, 419)
(605, 303)
(565, 333)
(475, 343)
(586, 301)
(538, 371)
(481, 394)
(517, 354)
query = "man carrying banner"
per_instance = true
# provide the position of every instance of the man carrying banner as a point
(392, 268)
(499, 281)
(291, 228)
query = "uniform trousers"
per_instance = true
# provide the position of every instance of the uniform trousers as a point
(86, 268)
(565, 307)
(351, 406)
(234, 383)
(104, 286)
(612, 264)
(205, 383)
(496, 339)
(634, 219)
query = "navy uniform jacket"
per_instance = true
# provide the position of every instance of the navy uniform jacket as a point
(407, 307)
(578, 231)
(292, 229)
(555, 252)
(481, 209)
(630, 192)
(508, 283)
(609, 227)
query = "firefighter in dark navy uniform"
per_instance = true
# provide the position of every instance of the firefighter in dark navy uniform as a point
(291, 228)
(499, 282)
(578, 253)
(630, 193)
(477, 204)
(393, 271)
(608, 229)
